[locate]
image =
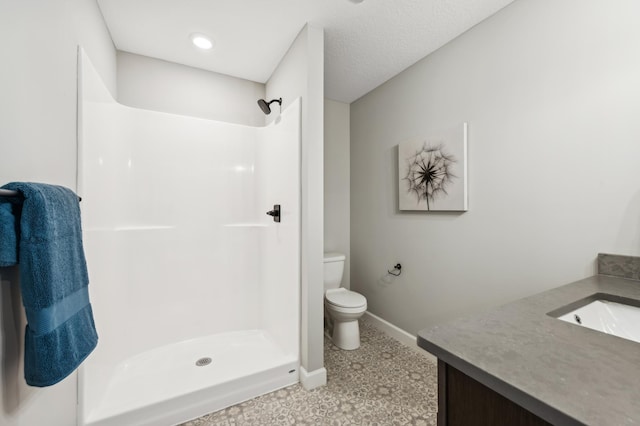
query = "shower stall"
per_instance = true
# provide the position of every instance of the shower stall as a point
(195, 290)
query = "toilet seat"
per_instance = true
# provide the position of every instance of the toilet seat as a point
(343, 298)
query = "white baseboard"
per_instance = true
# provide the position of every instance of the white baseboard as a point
(314, 379)
(397, 333)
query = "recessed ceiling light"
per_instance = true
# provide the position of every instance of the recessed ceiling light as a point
(201, 41)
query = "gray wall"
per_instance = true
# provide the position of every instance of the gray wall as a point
(38, 46)
(300, 73)
(336, 182)
(551, 92)
(159, 85)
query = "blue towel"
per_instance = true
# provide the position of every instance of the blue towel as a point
(8, 232)
(60, 331)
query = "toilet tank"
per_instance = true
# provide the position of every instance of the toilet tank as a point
(333, 268)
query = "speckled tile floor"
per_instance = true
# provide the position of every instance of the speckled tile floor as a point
(381, 383)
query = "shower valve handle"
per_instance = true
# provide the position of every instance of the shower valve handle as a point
(275, 213)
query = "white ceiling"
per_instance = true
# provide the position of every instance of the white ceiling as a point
(365, 43)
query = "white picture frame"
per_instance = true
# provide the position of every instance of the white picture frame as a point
(432, 172)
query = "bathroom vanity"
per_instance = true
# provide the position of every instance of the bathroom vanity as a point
(519, 364)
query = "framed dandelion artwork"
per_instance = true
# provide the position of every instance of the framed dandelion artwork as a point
(432, 172)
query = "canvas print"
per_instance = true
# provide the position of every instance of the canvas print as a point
(432, 172)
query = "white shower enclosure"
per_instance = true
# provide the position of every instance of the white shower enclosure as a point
(195, 289)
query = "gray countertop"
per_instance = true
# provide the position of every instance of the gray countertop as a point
(563, 373)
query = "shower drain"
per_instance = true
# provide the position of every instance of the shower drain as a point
(203, 361)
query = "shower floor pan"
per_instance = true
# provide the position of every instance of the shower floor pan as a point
(170, 384)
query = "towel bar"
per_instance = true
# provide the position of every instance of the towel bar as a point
(10, 193)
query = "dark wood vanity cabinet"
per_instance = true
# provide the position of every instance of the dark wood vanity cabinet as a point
(463, 401)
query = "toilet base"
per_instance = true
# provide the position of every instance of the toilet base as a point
(346, 334)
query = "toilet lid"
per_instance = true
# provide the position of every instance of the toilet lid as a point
(345, 298)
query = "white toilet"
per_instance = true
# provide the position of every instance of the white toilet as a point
(343, 306)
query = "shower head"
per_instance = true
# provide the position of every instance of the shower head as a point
(264, 106)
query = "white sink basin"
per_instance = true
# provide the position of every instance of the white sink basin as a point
(608, 317)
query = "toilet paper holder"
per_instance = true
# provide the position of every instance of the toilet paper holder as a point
(398, 268)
